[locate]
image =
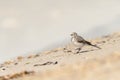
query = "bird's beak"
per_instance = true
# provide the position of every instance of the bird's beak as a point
(71, 34)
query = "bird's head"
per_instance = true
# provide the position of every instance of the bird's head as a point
(74, 34)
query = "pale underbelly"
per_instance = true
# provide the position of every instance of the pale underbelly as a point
(78, 44)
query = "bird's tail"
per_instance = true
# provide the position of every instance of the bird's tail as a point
(95, 46)
(92, 45)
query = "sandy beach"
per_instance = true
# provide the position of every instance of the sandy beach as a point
(63, 64)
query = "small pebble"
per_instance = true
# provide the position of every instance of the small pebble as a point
(15, 63)
(3, 69)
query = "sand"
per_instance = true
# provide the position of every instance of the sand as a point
(64, 64)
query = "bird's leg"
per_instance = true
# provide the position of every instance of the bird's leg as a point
(77, 50)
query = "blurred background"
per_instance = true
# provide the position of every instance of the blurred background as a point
(36, 25)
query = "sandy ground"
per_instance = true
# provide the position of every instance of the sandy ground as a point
(63, 64)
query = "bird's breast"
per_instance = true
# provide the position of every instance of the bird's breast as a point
(76, 43)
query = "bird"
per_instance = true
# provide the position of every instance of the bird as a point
(79, 41)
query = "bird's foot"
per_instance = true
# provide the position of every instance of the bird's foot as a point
(77, 50)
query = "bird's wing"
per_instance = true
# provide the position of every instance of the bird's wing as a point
(87, 42)
(80, 39)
